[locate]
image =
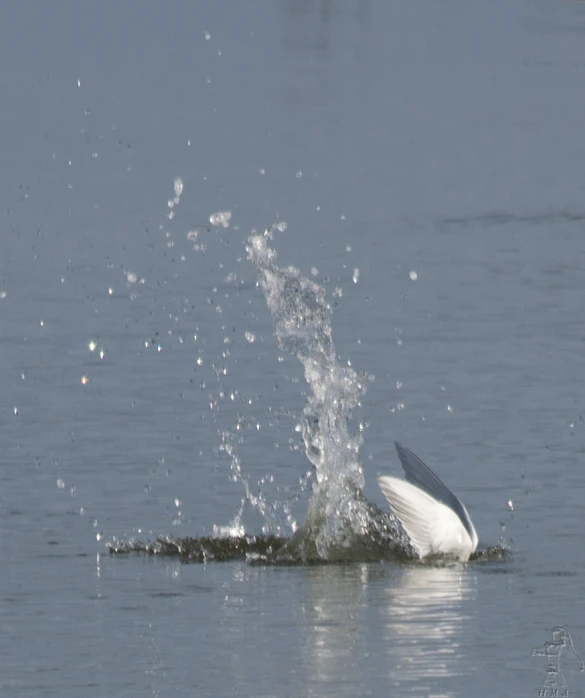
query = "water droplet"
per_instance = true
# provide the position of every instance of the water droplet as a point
(220, 219)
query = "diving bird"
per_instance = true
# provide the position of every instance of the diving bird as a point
(436, 521)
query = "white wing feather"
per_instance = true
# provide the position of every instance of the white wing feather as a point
(432, 527)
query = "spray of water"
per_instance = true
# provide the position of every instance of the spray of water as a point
(340, 523)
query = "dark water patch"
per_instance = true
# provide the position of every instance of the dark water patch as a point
(275, 550)
(503, 218)
(200, 587)
(166, 594)
(555, 573)
(204, 549)
(492, 553)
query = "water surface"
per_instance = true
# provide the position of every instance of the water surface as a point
(428, 162)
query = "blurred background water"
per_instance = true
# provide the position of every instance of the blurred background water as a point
(427, 159)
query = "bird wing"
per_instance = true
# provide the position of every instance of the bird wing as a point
(419, 474)
(431, 525)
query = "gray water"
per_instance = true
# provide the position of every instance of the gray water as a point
(427, 159)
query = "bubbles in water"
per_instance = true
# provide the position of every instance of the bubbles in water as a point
(250, 336)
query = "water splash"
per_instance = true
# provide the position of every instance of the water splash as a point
(340, 523)
(273, 516)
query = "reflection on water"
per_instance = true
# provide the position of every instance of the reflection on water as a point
(335, 640)
(423, 620)
(413, 640)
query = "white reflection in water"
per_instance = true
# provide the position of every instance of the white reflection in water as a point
(405, 625)
(423, 624)
(335, 643)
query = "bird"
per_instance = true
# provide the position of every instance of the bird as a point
(435, 520)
